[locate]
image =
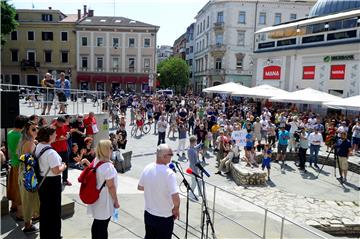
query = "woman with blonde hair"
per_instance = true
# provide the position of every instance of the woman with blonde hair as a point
(29, 200)
(106, 178)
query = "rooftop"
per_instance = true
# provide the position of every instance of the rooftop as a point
(326, 7)
(114, 21)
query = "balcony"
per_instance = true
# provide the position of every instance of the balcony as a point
(218, 49)
(219, 26)
(84, 69)
(115, 69)
(26, 64)
(131, 69)
(216, 72)
(100, 69)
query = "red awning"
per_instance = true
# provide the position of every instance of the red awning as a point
(83, 77)
(116, 79)
(144, 79)
(99, 78)
(130, 79)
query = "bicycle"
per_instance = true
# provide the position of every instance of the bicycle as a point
(145, 128)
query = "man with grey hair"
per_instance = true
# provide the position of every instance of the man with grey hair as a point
(161, 193)
(193, 156)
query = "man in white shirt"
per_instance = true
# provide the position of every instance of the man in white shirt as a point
(315, 140)
(161, 125)
(162, 200)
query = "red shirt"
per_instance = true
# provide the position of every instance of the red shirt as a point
(88, 122)
(60, 145)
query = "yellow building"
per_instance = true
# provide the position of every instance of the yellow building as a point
(44, 41)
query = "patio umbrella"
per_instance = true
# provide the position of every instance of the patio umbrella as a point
(350, 103)
(306, 96)
(260, 91)
(226, 88)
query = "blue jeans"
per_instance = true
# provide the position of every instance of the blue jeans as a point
(314, 152)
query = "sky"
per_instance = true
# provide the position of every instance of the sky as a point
(173, 16)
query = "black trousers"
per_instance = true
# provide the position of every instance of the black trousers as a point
(161, 138)
(302, 157)
(50, 208)
(158, 227)
(99, 229)
(65, 158)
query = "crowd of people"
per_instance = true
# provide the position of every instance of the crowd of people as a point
(206, 124)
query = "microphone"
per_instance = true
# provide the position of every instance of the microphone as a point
(174, 162)
(202, 169)
(190, 171)
(172, 166)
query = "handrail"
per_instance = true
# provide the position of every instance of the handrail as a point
(281, 217)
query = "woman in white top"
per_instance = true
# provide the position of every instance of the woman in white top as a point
(51, 167)
(103, 208)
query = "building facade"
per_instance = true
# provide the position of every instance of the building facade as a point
(179, 47)
(322, 52)
(115, 52)
(189, 52)
(43, 42)
(224, 37)
(163, 52)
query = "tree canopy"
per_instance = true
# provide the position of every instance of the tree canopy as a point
(8, 22)
(174, 73)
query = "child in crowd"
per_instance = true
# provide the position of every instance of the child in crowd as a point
(266, 162)
(250, 158)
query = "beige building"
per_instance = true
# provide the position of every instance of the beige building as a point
(43, 42)
(115, 52)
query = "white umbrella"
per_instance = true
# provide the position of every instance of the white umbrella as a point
(226, 88)
(350, 103)
(306, 96)
(260, 91)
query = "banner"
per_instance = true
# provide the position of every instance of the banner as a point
(309, 72)
(272, 73)
(337, 72)
(239, 137)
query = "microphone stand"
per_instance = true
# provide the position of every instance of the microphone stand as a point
(205, 212)
(188, 189)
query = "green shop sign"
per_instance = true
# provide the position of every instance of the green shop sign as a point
(339, 58)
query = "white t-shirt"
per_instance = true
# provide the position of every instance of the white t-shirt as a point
(103, 208)
(49, 159)
(159, 184)
(315, 139)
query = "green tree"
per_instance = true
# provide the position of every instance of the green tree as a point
(174, 73)
(8, 22)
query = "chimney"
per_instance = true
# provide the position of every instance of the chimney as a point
(79, 14)
(91, 13)
(85, 10)
(50, 8)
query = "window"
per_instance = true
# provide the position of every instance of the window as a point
(84, 62)
(99, 63)
(203, 44)
(13, 36)
(31, 55)
(262, 18)
(190, 62)
(204, 25)
(277, 18)
(218, 63)
(47, 36)
(242, 17)
(293, 16)
(147, 64)
(147, 42)
(241, 38)
(191, 49)
(131, 64)
(115, 63)
(48, 56)
(64, 57)
(239, 61)
(220, 17)
(31, 36)
(115, 43)
(219, 39)
(207, 22)
(99, 41)
(84, 41)
(17, 17)
(64, 36)
(47, 17)
(14, 55)
(131, 42)
(201, 27)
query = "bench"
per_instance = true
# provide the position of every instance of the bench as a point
(244, 175)
(123, 165)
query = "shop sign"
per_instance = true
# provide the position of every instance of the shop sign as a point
(337, 72)
(272, 73)
(309, 72)
(339, 58)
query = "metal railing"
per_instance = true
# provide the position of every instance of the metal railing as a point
(266, 214)
(80, 102)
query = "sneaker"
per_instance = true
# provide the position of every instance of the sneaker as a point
(31, 229)
(67, 183)
(316, 166)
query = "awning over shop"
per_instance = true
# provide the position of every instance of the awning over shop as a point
(261, 92)
(83, 77)
(116, 79)
(350, 103)
(130, 79)
(226, 88)
(99, 78)
(144, 79)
